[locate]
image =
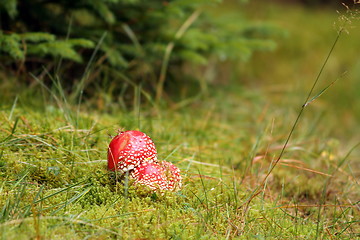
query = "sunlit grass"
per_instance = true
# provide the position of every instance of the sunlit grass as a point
(55, 182)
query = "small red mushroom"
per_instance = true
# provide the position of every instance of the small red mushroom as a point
(129, 149)
(173, 175)
(162, 176)
(151, 175)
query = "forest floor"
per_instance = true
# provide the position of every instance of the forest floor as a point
(53, 178)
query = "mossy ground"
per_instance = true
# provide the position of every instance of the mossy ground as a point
(55, 185)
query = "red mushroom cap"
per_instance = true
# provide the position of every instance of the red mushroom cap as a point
(173, 175)
(150, 174)
(162, 176)
(129, 149)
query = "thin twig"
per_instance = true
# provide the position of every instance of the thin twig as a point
(184, 27)
(261, 188)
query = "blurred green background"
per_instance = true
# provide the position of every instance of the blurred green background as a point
(177, 50)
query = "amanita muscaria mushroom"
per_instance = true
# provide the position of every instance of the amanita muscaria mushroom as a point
(129, 149)
(135, 152)
(151, 175)
(162, 176)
